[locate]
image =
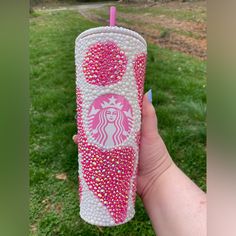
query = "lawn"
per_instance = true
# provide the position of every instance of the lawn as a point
(178, 84)
(180, 14)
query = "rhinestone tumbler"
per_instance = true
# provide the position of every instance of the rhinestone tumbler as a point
(110, 71)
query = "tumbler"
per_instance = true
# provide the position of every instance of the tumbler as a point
(110, 71)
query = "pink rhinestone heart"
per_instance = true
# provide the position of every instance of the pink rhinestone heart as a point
(108, 175)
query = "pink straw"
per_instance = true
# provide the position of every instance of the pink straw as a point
(112, 16)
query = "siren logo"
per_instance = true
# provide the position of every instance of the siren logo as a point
(110, 120)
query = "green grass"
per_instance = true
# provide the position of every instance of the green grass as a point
(179, 14)
(178, 84)
(103, 13)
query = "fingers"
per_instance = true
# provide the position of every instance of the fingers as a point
(149, 119)
(75, 139)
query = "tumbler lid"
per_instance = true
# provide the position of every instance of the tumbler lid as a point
(112, 29)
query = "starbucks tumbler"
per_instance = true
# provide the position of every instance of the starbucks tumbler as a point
(110, 71)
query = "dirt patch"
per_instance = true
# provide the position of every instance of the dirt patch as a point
(198, 29)
(49, 206)
(171, 34)
(196, 6)
(185, 44)
(33, 228)
(188, 45)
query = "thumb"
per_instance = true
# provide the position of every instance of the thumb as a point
(149, 119)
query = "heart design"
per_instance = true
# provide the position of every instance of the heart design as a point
(139, 66)
(108, 175)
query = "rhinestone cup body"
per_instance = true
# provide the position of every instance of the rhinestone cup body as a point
(110, 72)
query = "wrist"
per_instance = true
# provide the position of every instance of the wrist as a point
(150, 180)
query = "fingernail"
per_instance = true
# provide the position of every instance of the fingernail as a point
(149, 95)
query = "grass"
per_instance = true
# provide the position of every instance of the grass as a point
(179, 14)
(178, 83)
(176, 14)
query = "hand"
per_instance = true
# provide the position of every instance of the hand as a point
(154, 158)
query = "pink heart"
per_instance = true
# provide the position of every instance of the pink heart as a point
(108, 175)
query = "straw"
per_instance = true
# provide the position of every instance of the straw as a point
(112, 16)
